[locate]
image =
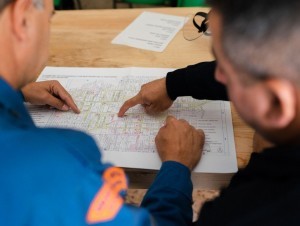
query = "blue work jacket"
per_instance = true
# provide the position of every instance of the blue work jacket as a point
(53, 176)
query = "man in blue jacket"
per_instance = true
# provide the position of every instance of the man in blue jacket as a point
(55, 176)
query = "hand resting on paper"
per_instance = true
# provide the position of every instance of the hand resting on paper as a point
(178, 141)
(50, 93)
(153, 96)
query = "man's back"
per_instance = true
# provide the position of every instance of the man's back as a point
(266, 191)
(50, 176)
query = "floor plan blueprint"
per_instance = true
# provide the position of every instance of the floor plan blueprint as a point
(129, 141)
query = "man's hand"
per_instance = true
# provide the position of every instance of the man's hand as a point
(153, 96)
(49, 93)
(178, 141)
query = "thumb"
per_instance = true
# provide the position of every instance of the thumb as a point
(201, 133)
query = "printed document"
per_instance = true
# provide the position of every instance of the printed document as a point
(150, 31)
(129, 141)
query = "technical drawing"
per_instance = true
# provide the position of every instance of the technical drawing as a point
(130, 141)
(100, 100)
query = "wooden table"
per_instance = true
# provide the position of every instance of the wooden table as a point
(83, 39)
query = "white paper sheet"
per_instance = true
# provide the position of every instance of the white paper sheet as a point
(129, 141)
(150, 31)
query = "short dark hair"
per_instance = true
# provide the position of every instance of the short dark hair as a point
(4, 3)
(262, 37)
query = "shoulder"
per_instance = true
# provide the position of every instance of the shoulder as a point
(59, 168)
(49, 145)
(266, 192)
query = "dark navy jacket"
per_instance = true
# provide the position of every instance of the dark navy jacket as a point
(267, 191)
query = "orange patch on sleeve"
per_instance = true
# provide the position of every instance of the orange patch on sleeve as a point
(107, 202)
(116, 178)
(105, 205)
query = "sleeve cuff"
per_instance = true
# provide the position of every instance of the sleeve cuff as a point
(21, 95)
(190, 80)
(175, 176)
(173, 80)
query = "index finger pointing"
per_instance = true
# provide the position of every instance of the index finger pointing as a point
(66, 97)
(129, 104)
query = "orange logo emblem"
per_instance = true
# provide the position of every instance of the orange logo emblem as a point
(107, 202)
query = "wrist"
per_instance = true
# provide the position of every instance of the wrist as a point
(179, 162)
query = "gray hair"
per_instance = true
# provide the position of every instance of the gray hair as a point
(39, 4)
(262, 37)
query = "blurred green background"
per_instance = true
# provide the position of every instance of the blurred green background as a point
(106, 4)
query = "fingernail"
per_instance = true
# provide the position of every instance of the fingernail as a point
(65, 108)
(78, 110)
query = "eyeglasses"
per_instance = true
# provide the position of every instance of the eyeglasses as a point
(196, 27)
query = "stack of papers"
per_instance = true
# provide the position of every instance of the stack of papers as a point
(150, 31)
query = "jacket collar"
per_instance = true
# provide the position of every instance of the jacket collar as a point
(11, 101)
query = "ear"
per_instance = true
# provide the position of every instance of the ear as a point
(279, 103)
(20, 15)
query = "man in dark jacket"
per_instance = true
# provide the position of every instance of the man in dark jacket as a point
(257, 48)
